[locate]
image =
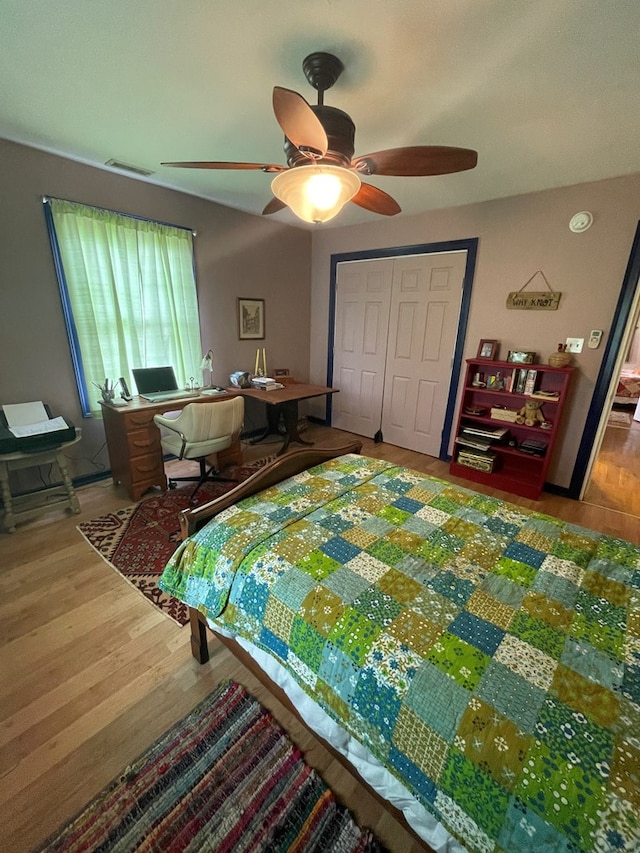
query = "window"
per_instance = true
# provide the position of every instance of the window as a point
(128, 292)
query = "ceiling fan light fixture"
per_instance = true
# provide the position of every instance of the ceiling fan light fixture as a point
(315, 193)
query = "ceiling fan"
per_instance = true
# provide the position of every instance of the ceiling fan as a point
(322, 173)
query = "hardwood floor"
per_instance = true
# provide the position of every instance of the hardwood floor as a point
(615, 480)
(92, 673)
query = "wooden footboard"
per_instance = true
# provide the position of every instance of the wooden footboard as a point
(272, 473)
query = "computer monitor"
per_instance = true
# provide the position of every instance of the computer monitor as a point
(151, 380)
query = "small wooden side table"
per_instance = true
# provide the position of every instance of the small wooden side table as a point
(21, 507)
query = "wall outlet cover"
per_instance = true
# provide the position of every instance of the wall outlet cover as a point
(575, 344)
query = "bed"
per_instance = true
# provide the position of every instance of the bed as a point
(628, 390)
(478, 663)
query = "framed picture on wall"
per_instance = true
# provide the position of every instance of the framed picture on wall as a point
(250, 319)
(487, 349)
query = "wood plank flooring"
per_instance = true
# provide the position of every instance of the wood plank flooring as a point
(92, 673)
(615, 479)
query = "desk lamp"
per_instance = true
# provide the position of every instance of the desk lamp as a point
(207, 364)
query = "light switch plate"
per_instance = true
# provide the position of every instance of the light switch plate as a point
(575, 344)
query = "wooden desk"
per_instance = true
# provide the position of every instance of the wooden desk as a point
(133, 441)
(283, 402)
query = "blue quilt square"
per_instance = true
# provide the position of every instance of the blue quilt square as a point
(501, 526)
(525, 554)
(420, 782)
(338, 670)
(254, 597)
(504, 590)
(512, 695)
(560, 589)
(477, 632)
(452, 587)
(408, 504)
(437, 700)
(395, 484)
(523, 829)
(270, 641)
(340, 550)
(376, 703)
(376, 525)
(335, 523)
(416, 568)
(419, 526)
(346, 584)
(631, 683)
(293, 587)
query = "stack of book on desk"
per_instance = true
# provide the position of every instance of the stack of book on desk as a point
(266, 383)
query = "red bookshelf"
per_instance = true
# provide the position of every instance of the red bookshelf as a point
(491, 447)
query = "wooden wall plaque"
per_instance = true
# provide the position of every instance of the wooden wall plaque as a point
(534, 300)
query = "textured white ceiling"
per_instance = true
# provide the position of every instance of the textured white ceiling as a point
(547, 91)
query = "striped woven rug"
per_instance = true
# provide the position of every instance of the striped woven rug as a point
(225, 778)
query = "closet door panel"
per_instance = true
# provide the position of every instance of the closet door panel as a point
(363, 299)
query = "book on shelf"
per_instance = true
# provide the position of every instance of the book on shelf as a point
(545, 395)
(473, 441)
(530, 382)
(535, 448)
(495, 433)
(521, 380)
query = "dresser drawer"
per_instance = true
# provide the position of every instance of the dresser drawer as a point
(142, 441)
(147, 468)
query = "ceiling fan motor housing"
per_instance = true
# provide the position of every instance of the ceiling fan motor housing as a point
(341, 133)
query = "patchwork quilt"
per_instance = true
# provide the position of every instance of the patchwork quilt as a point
(488, 655)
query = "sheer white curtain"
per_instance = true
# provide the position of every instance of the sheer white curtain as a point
(131, 293)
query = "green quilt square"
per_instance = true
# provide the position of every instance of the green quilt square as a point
(538, 634)
(459, 660)
(565, 794)
(516, 571)
(475, 791)
(354, 633)
(386, 552)
(318, 565)
(306, 643)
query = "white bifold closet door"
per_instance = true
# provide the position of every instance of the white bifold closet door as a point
(395, 331)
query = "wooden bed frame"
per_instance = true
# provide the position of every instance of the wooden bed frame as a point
(192, 519)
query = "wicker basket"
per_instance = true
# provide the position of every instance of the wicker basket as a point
(560, 359)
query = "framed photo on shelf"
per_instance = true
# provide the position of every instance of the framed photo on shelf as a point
(487, 349)
(250, 319)
(521, 357)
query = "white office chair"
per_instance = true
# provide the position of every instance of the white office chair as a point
(199, 430)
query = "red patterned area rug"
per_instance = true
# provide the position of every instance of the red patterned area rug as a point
(226, 778)
(138, 540)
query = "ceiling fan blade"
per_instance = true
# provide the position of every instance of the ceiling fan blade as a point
(376, 200)
(215, 164)
(416, 160)
(298, 121)
(274, 206)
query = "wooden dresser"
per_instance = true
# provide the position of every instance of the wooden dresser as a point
(133, 441)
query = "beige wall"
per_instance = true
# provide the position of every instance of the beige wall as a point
(236, 255)
(517, 236)
(242, 255)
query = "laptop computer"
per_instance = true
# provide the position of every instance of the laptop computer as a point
(156, 384)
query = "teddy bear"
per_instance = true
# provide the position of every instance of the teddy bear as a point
(530, 414)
